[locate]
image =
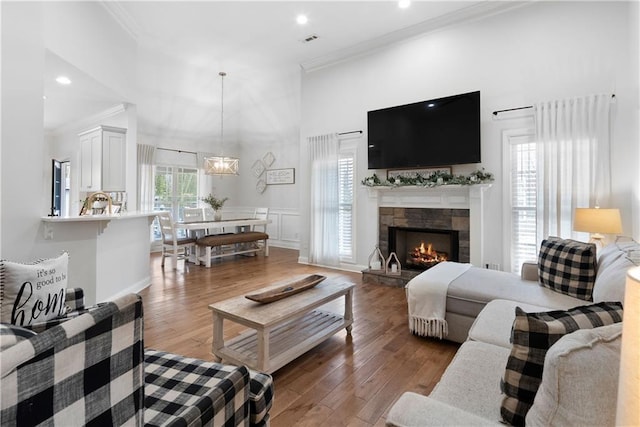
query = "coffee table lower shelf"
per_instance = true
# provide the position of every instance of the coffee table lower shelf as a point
(284, 343)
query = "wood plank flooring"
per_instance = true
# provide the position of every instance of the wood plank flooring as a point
(346, 381)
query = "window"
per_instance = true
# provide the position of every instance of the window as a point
(522, 195)
(175, 188)
(345, 206)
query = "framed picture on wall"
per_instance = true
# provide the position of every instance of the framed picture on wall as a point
(281, 176)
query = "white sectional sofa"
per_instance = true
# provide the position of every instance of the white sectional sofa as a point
(469, 293)
(580, 375)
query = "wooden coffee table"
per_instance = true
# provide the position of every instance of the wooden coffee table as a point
(282, 330)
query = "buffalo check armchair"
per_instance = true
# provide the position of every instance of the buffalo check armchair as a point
(91, 368)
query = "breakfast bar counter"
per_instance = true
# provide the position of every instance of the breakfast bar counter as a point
(108, 254)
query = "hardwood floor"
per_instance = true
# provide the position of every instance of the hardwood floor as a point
(346, 381)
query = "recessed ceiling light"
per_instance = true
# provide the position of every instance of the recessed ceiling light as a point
(63, 80)
(431, 105)
(403, 4)
(44, 97)
(302, 19)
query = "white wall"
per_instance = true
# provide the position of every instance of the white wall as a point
(544, 51)
(22, 130)
(85, 37)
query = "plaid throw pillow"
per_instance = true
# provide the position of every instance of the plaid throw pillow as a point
(532, 335)
(568, 267)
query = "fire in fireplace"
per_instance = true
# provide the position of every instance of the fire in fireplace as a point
(422, 248)
(425, 257)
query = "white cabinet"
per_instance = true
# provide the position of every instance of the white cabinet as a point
(103, 159)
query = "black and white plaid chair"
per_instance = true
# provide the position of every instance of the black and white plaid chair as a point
(92, 369)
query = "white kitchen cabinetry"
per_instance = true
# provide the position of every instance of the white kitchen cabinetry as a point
(103, 159)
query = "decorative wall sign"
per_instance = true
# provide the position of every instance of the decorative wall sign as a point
(411, 173)
(281, 176)
(258, 168)
(268, 159)
(261, 186)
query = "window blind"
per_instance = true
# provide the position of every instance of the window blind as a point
(345, 208)
(523, 203)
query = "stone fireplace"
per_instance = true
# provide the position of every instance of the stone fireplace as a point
(449, 209)
(422, 248)
(401, 229)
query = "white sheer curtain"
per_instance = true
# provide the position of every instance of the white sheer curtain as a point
(574, 170)
(323, 236)
(146, 161)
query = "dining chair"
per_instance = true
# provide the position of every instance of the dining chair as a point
(192, 215)
(172, 245)
(261, 213)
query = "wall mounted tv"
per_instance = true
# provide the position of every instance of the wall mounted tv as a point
(437, 132)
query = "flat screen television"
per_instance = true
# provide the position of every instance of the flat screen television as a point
(437, 132)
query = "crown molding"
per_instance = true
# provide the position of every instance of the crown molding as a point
(90, 121)
(468, 14)
(122, 17)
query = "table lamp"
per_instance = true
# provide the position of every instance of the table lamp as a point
(628, 406)
(597, 222)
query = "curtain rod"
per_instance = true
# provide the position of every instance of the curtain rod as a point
(177, 151)
(495, 113)
(351, 131)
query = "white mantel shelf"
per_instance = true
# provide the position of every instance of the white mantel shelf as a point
(441, 197)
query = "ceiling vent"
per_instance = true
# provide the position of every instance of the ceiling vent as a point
(310, 38)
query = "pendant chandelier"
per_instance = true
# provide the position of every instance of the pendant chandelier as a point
(221, 165)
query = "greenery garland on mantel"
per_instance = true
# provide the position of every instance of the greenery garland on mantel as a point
(435, 179)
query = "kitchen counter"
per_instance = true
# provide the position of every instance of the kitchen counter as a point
(108, 254)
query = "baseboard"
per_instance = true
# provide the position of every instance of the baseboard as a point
(343, 267)
(133, 289)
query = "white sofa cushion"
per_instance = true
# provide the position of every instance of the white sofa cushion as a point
(493, 324)
(472, 380)
(416, 410)
(613, 263)
(580, 380)
(470, 292)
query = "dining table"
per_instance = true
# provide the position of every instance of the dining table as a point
(241, 224)
(199, 228)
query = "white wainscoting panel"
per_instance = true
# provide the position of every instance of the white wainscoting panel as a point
(284, 230)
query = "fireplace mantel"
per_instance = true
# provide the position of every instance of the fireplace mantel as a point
(442, 197)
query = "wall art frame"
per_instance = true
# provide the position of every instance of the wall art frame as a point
(280, 176)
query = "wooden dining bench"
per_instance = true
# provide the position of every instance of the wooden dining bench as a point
(230, 244)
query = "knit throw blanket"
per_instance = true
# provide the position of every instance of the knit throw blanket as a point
(427, 299)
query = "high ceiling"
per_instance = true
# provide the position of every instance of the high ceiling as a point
(183, 45)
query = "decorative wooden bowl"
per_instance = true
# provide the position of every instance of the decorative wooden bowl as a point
(287, 289)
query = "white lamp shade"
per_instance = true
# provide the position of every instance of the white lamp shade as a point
(628, 407)
(596, 220)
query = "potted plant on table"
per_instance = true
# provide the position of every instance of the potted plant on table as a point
(216, 204)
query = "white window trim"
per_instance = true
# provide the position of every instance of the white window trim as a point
(508, 137)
